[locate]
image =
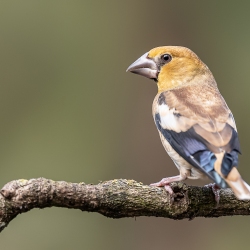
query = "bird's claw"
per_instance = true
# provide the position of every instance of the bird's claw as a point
(216, 190)
(169, 190)
(164, 183)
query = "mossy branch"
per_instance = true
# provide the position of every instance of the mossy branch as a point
(117, 199)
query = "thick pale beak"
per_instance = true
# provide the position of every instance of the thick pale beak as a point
(144, 66)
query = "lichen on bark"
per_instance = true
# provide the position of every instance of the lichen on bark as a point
(117, 199)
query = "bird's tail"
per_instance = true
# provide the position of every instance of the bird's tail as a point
(240, 188)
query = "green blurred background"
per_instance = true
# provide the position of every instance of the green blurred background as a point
(68, 111)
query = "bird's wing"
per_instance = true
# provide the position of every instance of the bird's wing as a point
(199, 126)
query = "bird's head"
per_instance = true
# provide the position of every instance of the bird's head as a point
(171, 67)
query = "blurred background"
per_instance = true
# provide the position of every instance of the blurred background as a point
(68, 111)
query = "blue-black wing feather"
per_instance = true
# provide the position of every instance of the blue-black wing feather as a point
(196, 151)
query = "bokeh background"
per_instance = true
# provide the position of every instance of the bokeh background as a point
(68, 111)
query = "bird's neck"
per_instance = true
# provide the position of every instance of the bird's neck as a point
(166, 85)
(168, 82)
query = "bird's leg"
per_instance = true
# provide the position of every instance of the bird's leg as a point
(216, 190)
(166, 181)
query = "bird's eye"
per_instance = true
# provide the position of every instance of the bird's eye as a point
(166, 58)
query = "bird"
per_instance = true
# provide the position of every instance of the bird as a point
(195, 124)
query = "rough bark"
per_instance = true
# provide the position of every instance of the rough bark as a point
(117, 199)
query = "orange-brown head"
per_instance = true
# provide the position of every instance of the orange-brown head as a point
(171, 67)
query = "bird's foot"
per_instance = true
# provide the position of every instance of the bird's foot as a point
(216, 190)
(165, 183)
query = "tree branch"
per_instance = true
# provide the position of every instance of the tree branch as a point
(117, 199)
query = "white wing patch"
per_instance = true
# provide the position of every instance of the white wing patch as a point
(216, 133)
(172, 120)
